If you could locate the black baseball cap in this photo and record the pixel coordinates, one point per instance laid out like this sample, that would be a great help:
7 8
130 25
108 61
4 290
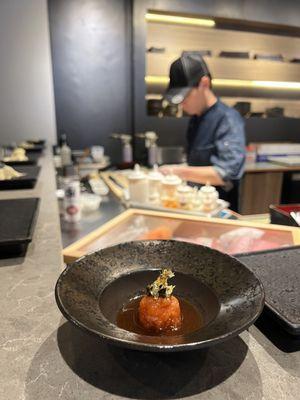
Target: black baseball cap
185 73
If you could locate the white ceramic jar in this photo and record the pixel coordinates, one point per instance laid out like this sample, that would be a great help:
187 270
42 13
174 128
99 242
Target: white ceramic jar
138 185
170 184
209 197
185 194
155 178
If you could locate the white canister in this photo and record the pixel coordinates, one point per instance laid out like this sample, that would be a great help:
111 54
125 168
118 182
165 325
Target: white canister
97 153
185 194
138 185
154 178
209 197
72 209
169 187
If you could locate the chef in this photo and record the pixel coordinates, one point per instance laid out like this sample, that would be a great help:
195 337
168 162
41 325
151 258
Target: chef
215 135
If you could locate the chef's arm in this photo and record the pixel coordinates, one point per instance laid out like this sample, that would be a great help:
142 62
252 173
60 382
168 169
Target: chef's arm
201 175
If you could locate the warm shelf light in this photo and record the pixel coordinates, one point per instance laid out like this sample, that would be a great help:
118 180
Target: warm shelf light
155 79
174 19
256 84
164 80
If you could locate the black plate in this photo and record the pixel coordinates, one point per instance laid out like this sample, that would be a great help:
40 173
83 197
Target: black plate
32 160
279 272
40 142
17 218
27 181
38 148
92 290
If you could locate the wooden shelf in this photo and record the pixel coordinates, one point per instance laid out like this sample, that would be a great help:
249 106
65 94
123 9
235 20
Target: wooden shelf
175 39
230 68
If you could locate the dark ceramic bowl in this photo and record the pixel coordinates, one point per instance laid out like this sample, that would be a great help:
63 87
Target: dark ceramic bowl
91 291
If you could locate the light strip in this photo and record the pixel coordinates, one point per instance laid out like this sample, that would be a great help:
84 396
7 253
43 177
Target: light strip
257 84
156 79
174 19
152 79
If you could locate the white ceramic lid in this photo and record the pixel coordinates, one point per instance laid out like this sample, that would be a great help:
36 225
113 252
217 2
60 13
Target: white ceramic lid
184 189
171 180
207 189
136 173
155 175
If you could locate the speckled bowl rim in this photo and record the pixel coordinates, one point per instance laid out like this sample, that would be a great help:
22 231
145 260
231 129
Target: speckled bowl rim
157 347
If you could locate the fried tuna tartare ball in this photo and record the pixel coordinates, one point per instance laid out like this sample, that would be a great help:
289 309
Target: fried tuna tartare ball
160 314
159 310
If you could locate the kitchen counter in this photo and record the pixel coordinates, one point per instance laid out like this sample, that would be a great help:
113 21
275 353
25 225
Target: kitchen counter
269 167
43 357
269 178
27 306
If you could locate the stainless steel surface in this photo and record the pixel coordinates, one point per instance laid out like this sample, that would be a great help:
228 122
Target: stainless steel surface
110 207
170 155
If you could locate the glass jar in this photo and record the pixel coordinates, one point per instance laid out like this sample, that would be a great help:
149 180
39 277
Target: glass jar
169 187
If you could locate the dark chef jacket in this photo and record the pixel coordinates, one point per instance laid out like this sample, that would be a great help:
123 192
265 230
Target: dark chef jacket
217 138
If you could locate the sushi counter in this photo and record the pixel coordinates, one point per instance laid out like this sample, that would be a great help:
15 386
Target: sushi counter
42 356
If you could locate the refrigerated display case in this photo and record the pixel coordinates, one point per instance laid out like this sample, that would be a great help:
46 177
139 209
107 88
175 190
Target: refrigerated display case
231 237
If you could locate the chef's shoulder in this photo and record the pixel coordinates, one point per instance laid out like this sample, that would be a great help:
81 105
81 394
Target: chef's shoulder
230 121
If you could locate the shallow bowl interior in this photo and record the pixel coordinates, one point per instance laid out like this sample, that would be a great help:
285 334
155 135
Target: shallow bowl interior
91 291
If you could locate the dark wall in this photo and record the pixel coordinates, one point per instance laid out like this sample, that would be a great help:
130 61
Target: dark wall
98 81
91 46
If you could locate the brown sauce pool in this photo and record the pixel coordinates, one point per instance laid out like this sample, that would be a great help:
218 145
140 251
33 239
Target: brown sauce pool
192 319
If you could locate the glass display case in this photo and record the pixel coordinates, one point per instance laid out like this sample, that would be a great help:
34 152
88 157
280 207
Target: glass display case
231 237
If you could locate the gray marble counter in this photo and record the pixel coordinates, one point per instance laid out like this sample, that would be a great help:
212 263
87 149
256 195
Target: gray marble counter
43 357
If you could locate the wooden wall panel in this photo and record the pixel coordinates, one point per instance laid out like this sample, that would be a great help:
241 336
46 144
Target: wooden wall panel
259 190
176 38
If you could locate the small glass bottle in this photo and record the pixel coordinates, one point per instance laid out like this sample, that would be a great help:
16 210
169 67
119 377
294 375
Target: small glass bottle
65 151
72 208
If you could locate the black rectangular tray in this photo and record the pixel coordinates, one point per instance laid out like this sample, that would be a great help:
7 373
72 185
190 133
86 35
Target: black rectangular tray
38 148
17 222
32 160
279 272
27 181
41 142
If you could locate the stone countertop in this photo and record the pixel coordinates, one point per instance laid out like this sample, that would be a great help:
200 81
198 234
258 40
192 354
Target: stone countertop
43 357
27 306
